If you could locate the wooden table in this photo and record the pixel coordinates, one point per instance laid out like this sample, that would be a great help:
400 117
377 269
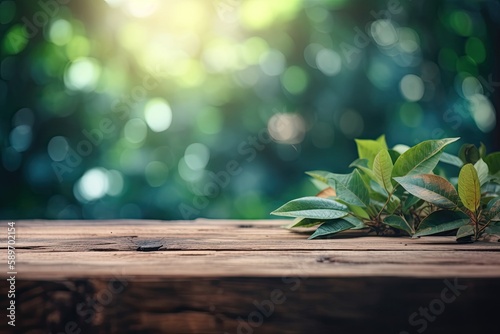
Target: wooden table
246 277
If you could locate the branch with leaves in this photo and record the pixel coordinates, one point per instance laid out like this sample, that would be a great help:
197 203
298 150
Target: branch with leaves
404 190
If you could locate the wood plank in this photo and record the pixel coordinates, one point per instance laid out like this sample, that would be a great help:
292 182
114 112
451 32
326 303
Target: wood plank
62 249
78 236
258 305
48 265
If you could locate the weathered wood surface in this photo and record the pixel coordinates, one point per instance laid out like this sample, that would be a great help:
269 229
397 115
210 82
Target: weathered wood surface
245 277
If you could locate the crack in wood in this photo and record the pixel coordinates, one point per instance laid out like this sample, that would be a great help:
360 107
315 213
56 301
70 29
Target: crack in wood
331 259
149 248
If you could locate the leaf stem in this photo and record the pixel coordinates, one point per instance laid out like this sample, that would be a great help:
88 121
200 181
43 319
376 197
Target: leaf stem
386 202
475 220
483 227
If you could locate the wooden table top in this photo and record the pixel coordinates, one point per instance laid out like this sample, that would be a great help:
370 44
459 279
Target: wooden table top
233 248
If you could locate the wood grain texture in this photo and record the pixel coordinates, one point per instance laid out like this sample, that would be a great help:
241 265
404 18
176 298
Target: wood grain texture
245 277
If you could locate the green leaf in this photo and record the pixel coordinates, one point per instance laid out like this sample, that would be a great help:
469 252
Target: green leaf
493 229
431 188
485 200
359 163
468 187
354 192
368 149
318 184
451 159
324 176
306 222
493 162
410 201
381 140
331 227
319 175
399 223
379 195
440 221
394 155
312 207
495 177
493 209
490 189
421 158
482 171
357 186
358 211
356 222
469 154
362 164
465 231
382 169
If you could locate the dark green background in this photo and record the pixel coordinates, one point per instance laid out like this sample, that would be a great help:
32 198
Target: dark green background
224 100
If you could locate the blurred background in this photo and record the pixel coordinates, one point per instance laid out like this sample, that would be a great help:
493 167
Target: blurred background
179 109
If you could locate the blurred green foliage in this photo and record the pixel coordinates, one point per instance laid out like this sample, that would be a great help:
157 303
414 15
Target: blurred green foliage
180 109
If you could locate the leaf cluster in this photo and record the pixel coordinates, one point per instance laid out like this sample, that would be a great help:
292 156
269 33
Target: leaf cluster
404 190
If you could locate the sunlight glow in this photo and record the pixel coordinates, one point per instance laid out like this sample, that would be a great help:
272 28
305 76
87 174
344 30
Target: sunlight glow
94 184
158 114
82 74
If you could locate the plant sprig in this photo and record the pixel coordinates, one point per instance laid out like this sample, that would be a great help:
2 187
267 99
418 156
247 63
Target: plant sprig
402 191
